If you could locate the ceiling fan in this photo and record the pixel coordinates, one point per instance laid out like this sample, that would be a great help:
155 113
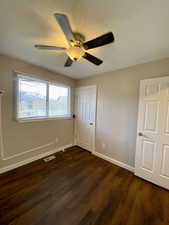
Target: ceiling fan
77 45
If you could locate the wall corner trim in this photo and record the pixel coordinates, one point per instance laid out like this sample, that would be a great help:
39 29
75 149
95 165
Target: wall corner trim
34 158
114 161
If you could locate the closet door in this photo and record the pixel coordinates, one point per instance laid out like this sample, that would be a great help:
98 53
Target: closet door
85 112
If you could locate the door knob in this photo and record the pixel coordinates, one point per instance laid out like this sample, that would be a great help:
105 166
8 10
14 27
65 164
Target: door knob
91 124
140 134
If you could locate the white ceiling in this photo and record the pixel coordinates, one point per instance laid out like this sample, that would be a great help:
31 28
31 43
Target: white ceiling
140 27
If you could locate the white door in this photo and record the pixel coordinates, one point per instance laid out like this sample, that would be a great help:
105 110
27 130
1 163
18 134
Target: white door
152 153
85 113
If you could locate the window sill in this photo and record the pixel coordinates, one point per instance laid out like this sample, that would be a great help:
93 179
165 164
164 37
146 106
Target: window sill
44 119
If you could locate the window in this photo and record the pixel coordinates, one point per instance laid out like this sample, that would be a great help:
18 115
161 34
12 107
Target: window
38 99
58 100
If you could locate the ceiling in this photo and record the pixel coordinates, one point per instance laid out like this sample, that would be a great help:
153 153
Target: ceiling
140 28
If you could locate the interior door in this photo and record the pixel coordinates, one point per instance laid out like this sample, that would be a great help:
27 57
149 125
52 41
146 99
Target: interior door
152 151
85 113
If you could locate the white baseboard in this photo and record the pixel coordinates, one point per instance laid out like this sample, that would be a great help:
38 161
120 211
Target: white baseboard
34 158
114 161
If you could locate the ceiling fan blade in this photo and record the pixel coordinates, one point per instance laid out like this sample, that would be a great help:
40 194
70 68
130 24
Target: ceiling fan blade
68 62
48 47
65 26
92 59
99 41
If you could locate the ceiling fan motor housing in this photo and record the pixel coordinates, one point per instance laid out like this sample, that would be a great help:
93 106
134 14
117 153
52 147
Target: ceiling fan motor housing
79 37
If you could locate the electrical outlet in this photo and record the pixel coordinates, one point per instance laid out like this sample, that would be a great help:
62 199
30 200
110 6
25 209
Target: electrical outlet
56 140
103 145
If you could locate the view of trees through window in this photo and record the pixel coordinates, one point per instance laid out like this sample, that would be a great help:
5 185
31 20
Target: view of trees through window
38 99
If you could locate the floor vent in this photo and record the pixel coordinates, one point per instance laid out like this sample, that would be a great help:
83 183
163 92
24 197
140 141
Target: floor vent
51 157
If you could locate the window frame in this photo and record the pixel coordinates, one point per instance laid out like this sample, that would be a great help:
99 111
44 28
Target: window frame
48 83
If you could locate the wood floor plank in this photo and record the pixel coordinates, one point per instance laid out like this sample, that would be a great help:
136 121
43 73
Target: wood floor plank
78 188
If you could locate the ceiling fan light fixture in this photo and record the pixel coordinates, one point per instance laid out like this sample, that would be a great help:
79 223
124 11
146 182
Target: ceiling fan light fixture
75 52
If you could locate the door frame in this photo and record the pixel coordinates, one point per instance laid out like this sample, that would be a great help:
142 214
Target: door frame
75 127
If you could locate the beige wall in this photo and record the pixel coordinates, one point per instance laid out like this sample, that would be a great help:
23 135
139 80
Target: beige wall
117 108
116 112
20 137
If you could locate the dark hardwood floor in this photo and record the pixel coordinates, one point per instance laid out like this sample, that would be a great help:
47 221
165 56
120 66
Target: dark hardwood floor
78 188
